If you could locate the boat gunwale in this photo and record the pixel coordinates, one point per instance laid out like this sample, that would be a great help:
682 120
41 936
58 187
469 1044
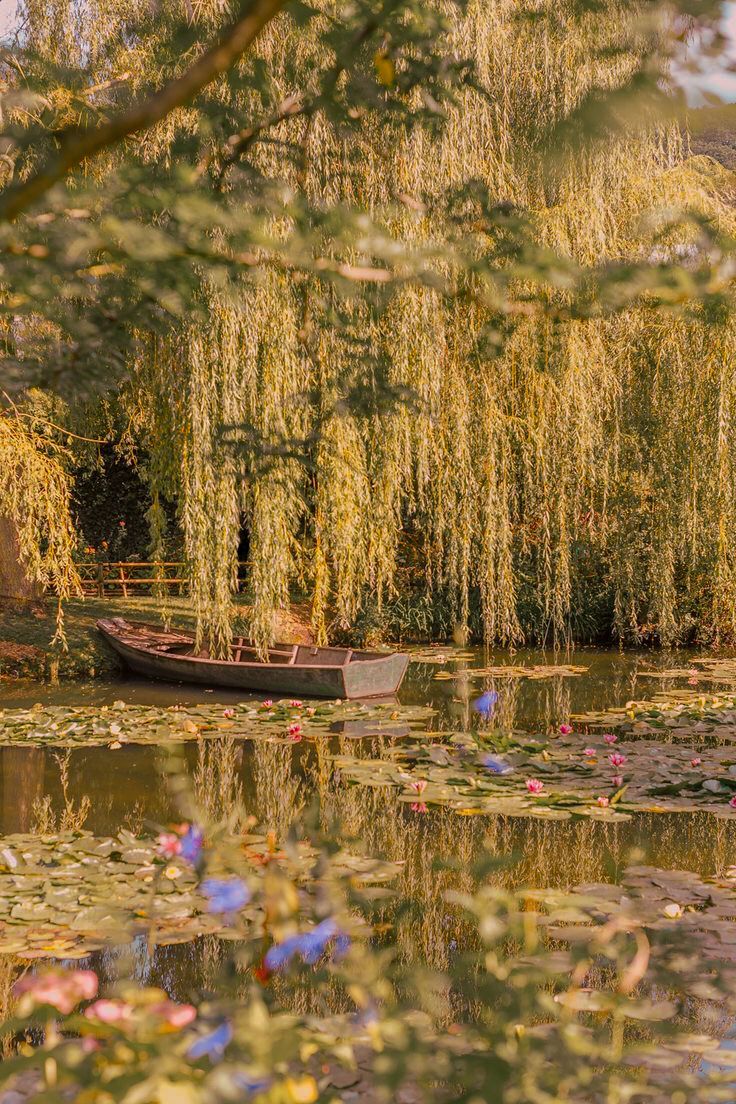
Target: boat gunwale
239 664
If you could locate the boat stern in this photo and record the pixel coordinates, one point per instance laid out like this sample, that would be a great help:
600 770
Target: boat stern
375 677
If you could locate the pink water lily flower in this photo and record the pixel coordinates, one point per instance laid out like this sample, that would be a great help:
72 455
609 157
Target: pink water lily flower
565 729
617 780
590 752
534 785
419 807
419 787
266 704
610 738
617 759
695 762
732 802
168 844
173 1014
295 731
228 713
109 1011
62 989
604 802
296 704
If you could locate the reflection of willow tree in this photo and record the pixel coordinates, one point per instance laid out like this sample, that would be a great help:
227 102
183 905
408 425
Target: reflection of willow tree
279 794
216 783
23 772
560 486
534 852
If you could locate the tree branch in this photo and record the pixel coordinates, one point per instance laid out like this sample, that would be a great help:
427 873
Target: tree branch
292 106
77 147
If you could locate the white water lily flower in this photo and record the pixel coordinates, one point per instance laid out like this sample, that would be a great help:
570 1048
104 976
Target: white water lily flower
673 911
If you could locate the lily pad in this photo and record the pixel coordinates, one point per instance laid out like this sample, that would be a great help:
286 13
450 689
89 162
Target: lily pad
73 893
558 777
120 724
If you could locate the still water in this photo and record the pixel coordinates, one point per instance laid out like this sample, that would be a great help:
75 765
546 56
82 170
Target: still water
125 787
277 782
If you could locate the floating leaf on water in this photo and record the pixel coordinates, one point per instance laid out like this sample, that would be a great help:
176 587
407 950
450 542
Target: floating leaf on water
84 726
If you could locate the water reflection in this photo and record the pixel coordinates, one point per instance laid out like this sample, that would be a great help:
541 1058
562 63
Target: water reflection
273 783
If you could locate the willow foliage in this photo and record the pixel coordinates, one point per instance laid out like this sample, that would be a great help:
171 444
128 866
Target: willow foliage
557 473
35 494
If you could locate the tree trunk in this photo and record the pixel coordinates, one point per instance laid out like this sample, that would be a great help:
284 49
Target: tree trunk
15 583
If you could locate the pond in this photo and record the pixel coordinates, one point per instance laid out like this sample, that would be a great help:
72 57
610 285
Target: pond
276 781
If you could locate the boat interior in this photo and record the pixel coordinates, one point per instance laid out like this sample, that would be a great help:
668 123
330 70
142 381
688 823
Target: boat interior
242 651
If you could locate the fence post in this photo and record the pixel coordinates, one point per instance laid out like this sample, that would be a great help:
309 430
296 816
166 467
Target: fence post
100 581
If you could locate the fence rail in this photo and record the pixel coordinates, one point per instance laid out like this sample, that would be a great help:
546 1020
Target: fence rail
134 576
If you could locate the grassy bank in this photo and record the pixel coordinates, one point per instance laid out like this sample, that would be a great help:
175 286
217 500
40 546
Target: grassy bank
26 649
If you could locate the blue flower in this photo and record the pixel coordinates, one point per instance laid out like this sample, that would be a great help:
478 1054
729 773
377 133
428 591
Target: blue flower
226 894
496 766
251 1086
310 946
486 703
212 1045
314 942
191 844
281 954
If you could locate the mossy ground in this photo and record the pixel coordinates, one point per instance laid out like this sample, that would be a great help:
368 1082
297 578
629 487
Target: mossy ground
26 634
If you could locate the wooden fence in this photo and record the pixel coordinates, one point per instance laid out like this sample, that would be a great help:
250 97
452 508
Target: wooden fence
135 577
141 577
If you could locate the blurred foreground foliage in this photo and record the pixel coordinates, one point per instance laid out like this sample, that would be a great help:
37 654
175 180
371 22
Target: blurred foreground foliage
601 994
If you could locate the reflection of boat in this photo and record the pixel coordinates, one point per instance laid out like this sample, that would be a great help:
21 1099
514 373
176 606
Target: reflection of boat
358 730
300 669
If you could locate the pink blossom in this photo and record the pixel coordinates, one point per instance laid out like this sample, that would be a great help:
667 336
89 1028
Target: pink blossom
604 802
419 787
228 713
617 759
310 710
590 752
109 1011
534 786
168 844
695 762
565 729
732 802
418 807
63 989
692 682
617 780
266 704
173 1014
296 704
610 738
295 731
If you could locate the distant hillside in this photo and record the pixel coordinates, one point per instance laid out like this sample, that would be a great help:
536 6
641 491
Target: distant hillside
713 132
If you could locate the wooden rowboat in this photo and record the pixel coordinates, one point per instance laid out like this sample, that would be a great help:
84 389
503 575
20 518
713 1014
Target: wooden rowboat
301 670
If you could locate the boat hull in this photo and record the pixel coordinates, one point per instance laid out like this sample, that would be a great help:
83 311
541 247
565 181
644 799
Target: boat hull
362 678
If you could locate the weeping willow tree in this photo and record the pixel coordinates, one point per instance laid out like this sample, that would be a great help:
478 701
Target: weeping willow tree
560 467
37 539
